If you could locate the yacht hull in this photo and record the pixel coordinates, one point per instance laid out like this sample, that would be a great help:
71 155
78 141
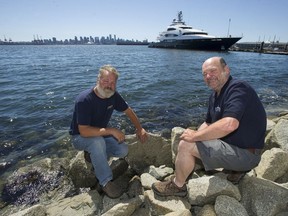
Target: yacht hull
211 44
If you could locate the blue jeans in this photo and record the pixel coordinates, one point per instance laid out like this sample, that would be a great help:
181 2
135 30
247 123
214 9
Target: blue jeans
101 149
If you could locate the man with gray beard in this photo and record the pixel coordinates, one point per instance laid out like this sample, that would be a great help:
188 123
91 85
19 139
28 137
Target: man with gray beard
90 131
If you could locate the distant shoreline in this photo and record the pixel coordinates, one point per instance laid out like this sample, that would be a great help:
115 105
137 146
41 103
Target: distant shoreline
71 44
278 48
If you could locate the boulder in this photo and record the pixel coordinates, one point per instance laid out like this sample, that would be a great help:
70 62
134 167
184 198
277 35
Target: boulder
228 206
162 205
273 165
205 190
278 136
36 210
156 151
83 204
263 197
81 172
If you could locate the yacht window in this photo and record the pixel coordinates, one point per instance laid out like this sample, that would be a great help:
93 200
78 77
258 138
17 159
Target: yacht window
171 35
171 29
194 33
186 27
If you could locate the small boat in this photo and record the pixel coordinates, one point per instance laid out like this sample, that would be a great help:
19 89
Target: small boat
181 36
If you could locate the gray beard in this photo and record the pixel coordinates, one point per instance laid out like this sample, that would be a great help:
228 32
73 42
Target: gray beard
105 93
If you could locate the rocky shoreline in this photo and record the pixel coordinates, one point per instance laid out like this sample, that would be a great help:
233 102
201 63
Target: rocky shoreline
67 185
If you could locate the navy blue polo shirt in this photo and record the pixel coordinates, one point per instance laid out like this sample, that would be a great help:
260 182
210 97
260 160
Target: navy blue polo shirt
95 111
239 100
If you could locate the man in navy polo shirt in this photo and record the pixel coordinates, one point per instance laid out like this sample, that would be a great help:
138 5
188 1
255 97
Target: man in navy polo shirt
90 131
231 137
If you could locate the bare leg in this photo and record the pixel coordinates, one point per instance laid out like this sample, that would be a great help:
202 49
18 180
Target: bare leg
185 161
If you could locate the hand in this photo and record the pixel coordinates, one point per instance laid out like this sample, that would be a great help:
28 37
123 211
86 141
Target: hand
188 135
118 134
142 135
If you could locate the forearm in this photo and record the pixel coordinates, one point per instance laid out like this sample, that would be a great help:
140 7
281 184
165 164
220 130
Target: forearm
89 131
219 129
203 126
140 132
133 118
209 133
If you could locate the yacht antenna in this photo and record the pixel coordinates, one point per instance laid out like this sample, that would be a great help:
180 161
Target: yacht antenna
228 27
180 16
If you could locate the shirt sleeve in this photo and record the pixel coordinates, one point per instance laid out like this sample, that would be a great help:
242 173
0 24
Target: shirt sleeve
120 105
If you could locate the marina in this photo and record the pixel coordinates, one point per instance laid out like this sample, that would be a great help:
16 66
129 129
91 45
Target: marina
275 48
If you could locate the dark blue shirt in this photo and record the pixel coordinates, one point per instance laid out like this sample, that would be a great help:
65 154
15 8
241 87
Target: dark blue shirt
94 111
239 100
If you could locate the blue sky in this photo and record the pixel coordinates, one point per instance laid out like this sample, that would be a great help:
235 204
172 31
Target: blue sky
255 20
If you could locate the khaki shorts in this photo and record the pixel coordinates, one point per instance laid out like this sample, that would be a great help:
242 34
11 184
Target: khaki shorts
219 154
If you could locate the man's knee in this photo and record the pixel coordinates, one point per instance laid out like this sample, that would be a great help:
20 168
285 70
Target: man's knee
122 151
187 147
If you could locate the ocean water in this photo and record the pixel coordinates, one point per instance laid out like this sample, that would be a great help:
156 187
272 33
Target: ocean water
164 87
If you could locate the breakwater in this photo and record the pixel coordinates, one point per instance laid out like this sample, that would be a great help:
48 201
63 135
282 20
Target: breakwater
262 47
66 185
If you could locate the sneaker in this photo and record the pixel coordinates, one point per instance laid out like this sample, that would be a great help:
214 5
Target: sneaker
112 190
87 156
169 188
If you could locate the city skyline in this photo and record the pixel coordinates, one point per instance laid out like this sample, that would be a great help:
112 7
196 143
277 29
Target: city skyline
104 40
256 20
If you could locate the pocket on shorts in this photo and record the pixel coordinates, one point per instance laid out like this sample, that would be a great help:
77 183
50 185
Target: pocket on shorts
225 149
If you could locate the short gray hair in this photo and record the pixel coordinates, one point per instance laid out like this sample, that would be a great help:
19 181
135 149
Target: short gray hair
110 69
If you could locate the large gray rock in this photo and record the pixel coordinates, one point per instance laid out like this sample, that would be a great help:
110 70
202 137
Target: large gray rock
207 210
147 180
228 206
161 172
81 172
126 208
156 151
273 164
205 190
36 210
162 205
270 125
278 136
185 212
83 204
263 197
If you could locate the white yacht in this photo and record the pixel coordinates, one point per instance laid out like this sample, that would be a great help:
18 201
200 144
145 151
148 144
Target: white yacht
181 36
